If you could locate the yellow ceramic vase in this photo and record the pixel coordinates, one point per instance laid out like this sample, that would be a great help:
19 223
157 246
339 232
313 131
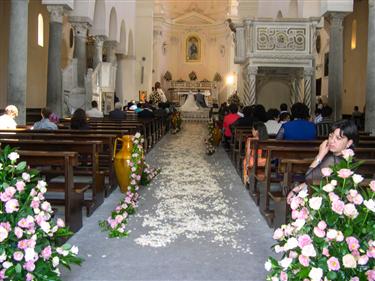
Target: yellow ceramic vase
121 162
217 136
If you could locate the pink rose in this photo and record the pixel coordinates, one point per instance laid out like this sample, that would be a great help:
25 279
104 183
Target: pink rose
11 206
358 200
372 185
344 173
352 242
354 279
46 253
347 153
333 264
333 196
350 211
370 275
322 225
363 260
283 276
29 266
326 172
328 187
20 185
325 252
18 232
315 203
305 261
338 206
18 256
304 240
60 223
319 233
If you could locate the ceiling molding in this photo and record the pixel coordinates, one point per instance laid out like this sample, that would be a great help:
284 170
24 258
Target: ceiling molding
193 18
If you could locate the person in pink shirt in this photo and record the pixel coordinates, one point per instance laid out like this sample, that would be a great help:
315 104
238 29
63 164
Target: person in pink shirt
229 119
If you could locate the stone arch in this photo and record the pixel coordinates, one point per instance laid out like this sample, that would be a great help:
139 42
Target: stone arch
131 44
113 25
99 18
122 46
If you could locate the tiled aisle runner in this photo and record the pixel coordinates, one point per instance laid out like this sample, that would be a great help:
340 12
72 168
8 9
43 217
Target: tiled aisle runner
194 222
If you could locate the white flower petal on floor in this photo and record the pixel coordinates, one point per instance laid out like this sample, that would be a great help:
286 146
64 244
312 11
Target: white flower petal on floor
192 203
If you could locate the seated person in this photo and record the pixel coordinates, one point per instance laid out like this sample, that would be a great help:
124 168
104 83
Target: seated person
229 119
273 126
324 126
344 135
117 113
94 112
199 98
247 120
145 111
259 132
45 123
7 119
300 128
79 120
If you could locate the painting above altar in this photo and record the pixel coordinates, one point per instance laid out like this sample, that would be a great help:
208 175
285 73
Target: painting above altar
193 49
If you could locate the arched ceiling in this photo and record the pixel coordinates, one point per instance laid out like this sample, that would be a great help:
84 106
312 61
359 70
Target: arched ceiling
217 10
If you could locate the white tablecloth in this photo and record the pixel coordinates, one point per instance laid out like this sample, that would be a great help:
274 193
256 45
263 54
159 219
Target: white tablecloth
190 103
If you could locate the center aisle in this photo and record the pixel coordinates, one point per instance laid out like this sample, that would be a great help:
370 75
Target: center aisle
195 221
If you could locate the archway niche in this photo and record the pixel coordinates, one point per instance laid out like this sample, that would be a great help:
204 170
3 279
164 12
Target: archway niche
113 25
99 18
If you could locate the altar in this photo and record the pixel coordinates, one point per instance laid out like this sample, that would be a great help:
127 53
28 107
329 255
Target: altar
190 111
191 103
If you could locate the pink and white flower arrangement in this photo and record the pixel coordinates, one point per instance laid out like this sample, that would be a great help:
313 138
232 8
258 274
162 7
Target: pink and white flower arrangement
29 237
336 240
141 174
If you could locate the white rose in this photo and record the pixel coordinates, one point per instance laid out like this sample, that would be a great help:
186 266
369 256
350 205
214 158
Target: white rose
357 178
30 254
7 264
370 204
303 193
331 234
268 265
291 243
349 261
316 274
299 223
350 211
45 226
315 203
74 250
137 135
13 156
309 251
55 261
329 187
285 262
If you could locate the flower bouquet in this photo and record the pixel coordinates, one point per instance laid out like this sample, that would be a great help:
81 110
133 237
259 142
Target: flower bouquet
176 122
332 233
28 235
210 141
141 173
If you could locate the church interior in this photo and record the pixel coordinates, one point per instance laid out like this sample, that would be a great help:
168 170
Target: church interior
242 109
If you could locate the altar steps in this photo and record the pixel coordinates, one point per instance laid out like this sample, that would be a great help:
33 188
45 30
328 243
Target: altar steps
203 115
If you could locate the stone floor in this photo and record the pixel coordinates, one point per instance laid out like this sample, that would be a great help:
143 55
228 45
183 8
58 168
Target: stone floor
194 222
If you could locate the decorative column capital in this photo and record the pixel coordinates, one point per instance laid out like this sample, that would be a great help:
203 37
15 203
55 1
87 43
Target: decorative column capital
99 40
56 13
308 71
336 18
252 70
80 26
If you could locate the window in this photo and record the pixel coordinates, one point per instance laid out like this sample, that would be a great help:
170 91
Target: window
40 31
354 35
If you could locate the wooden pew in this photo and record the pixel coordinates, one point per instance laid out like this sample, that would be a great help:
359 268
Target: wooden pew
105 158
293 168
66 161
87 151
262 196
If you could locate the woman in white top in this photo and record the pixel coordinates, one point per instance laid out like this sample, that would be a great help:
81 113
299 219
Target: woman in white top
7 119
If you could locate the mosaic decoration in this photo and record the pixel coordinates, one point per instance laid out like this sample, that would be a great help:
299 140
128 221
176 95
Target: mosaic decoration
281 39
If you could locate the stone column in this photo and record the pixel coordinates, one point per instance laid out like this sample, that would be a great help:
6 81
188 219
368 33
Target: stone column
250 85
80 25
336 61
308 74
370 88
98 56
111 51
54 76
17 54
